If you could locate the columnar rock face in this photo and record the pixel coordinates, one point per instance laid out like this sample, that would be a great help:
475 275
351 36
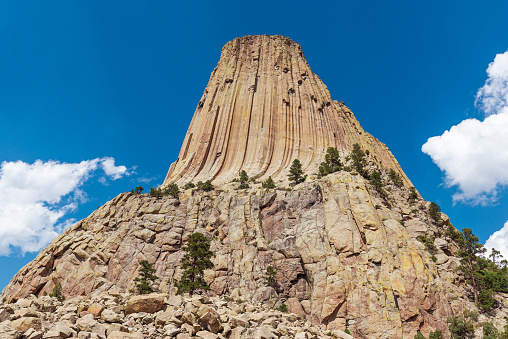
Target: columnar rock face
262 108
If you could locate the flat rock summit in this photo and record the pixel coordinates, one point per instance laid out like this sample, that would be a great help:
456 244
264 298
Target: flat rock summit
347 258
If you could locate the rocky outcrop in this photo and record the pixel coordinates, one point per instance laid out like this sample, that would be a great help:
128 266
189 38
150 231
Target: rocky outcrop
263 107
345 258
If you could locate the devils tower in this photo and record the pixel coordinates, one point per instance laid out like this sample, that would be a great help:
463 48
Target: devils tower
263 107
347 256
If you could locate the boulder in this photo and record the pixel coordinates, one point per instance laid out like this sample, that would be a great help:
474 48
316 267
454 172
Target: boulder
149 303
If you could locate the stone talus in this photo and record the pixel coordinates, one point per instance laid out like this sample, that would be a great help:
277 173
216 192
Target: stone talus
263 107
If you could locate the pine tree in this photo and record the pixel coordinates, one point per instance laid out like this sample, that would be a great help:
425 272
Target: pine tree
138 190
172 190
244 180
359 161
147 276
268 183
195 261
269 277
435 212
205 186
395 178
332 162
296 173
471 263
155 192
377 183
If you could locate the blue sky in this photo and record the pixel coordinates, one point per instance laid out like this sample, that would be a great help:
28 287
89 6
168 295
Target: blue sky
102 94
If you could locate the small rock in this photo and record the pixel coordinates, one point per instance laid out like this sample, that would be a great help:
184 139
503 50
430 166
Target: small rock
123 335
206 335
110 317
95 309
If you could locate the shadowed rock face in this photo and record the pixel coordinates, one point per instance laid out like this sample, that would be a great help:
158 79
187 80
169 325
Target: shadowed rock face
262 108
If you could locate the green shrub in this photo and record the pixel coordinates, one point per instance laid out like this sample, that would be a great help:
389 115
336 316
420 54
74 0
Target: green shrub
155 192
172 190
413 195
194 262
463 326
395 178
490 331
147 276
205 186
189 185
347 331
283 308
268 183
428 242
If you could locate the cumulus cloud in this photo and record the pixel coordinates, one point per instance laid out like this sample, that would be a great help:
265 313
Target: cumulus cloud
474 153
499 241
35 198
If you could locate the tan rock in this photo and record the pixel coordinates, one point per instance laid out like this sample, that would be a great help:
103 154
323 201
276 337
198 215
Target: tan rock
209 319
123 335
95 309
23 324
149 303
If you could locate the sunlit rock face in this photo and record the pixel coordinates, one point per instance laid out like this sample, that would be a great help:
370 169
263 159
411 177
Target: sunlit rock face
262 108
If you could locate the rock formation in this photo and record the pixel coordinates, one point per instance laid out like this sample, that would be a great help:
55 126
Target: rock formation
263 107
346 256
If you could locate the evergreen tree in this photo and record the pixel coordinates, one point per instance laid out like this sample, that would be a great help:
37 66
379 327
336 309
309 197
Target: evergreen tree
462 327
435 212
268 183
413 195
244 180
359 161
490 331
195 261
205 186
471 263
377 183
419 335
57 292
395 178
172 190
269 277
155 192
296 173
147 277
332 162
138 190
189 185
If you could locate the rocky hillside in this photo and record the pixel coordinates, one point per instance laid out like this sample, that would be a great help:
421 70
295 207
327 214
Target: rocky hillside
344 258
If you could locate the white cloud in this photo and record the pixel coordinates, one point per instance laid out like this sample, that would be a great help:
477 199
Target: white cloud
115 172
499 241
35 197
474 154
